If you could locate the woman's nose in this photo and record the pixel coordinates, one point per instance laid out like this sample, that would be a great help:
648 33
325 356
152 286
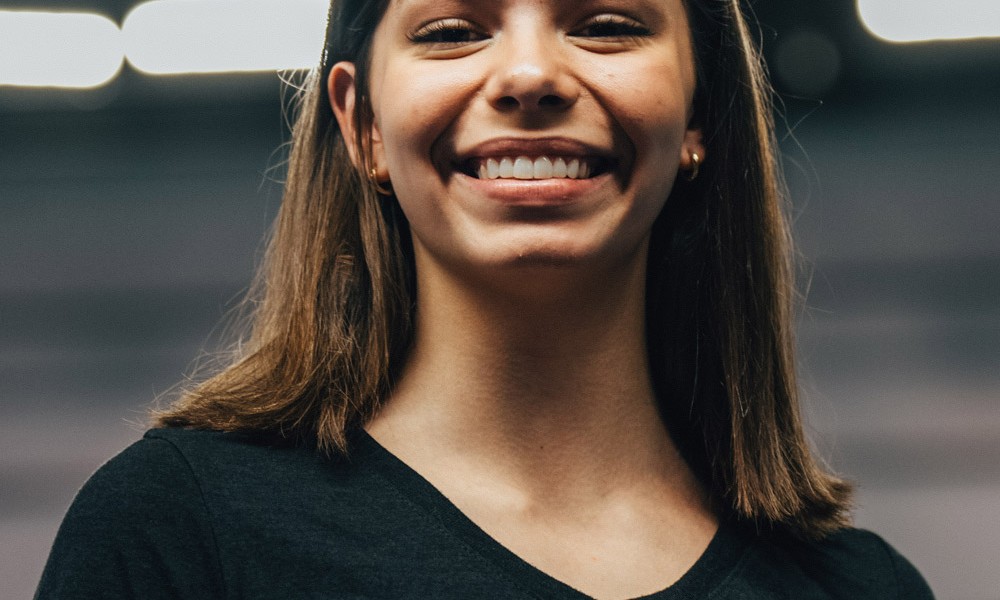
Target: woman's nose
531 74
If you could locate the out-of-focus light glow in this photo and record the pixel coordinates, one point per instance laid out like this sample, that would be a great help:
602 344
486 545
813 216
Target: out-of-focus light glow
211 36
925 20
58 49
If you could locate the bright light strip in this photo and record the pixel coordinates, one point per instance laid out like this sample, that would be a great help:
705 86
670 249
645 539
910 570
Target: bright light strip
53 49
925 20
212 36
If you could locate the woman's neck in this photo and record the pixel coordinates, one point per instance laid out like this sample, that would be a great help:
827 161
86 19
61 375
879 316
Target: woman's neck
533 412
547 386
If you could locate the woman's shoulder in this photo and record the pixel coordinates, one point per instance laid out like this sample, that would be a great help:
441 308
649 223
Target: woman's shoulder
233 452
850 563
216 467
175 510
181 459
155 469
184 472
864 556
128 525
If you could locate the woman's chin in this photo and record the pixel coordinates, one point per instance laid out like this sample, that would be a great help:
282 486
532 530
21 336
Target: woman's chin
522 259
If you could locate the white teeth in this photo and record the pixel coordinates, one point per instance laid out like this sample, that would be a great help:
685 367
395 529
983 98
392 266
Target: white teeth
559 168
506 168
542 167
573 169
524 168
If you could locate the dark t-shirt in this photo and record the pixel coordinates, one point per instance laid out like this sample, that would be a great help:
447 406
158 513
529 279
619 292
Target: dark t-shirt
189 514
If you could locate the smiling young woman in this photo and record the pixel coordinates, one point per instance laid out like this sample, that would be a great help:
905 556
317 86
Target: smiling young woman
524 331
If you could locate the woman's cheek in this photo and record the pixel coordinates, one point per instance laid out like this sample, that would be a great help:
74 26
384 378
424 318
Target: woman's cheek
425 99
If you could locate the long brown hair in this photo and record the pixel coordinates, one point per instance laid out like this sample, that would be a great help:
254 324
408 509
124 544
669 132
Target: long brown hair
333 302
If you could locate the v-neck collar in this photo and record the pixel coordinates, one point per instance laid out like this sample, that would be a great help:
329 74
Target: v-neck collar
719 559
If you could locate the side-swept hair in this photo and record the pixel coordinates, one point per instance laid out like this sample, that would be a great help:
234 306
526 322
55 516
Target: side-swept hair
333 301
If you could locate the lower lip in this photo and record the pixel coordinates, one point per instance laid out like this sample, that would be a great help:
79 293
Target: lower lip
534 192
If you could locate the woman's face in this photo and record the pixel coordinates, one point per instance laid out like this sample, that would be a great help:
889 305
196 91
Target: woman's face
526 132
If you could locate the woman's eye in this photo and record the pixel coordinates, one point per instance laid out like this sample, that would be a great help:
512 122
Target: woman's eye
447 31
612 26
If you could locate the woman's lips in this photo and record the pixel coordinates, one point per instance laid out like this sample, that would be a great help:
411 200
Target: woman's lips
537 192
534 173
533 159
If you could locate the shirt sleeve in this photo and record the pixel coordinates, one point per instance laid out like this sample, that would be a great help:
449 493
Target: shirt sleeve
139 528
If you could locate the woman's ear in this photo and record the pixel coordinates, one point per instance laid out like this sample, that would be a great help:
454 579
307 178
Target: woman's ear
342 91
692 146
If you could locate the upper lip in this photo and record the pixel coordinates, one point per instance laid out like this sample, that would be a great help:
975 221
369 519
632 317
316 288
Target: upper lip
532 147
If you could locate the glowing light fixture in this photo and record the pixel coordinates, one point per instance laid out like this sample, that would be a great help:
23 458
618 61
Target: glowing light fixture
58 49
211 36
925 20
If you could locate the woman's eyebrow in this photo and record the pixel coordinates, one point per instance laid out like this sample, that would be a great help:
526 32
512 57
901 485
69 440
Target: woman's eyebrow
652 10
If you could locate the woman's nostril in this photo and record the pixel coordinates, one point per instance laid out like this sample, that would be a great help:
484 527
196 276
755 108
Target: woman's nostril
545 101
508 102
550 100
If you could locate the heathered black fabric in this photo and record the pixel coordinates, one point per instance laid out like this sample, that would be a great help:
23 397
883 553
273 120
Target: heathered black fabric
188 514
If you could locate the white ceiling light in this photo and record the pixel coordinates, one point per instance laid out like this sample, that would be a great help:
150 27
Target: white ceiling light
924 20
53 49
212 36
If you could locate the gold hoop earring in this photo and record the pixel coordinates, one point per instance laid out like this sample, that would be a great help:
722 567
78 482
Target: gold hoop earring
373 179
695 166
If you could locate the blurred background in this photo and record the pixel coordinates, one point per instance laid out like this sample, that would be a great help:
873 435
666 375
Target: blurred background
132 215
